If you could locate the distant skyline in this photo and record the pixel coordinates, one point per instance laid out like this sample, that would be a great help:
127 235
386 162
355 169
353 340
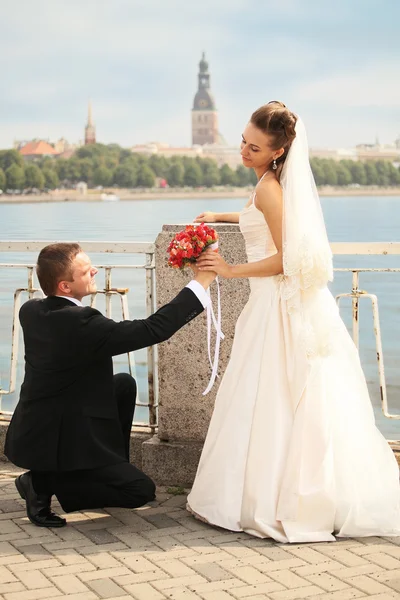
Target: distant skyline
336 64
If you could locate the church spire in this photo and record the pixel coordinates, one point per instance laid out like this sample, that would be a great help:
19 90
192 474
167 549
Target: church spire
89 121
204 112
90 129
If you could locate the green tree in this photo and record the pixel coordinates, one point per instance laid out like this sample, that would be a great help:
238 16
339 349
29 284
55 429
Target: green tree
46 163
371 173
62 168
394 175
51 180
92 151
34 177
205 163
330 173
159 165
343 174
193 175
176 174
211 175
86 170
15 177
242 176
358 173
383 170
10 157
74 170
227 175
102 176
68 171
125 154
318 171
126 175
2 180
253 179
146 177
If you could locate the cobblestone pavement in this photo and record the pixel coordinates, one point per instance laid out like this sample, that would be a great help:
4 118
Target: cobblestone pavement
160 552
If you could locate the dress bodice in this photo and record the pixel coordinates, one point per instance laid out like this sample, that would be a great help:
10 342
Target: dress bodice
257 236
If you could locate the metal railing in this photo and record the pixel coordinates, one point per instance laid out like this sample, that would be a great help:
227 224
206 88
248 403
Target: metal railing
356 294
147 249
110 292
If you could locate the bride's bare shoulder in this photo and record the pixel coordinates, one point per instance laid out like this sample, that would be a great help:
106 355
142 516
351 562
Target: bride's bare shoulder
268 190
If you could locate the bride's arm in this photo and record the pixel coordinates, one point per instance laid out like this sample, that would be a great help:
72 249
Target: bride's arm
269 201
211 217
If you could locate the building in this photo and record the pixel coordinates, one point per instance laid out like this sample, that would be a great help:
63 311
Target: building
334 153
65 148
162 149
362 152
90 129
204 112
223 154
37 149
42 148
378 151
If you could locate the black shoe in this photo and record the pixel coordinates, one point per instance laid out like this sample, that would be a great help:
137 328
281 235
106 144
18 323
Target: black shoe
37 505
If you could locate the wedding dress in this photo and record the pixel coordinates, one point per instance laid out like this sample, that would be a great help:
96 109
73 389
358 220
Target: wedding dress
292 451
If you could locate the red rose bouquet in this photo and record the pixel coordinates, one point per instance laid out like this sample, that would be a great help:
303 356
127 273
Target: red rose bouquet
188 244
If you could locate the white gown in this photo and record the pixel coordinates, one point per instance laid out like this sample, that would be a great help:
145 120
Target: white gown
295 468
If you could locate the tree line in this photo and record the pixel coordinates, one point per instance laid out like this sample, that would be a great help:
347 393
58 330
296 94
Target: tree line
111 165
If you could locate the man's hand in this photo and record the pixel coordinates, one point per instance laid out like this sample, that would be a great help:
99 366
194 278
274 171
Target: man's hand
205 279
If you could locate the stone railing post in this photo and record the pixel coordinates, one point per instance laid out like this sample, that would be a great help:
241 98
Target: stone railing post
172 456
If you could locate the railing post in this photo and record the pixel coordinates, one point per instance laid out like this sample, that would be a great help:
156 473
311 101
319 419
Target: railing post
150 350
107 288
355 309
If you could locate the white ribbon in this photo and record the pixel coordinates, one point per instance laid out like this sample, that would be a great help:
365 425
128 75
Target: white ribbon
216 321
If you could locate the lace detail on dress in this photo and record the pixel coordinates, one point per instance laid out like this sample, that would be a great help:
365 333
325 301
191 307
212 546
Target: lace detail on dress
304 274
303 271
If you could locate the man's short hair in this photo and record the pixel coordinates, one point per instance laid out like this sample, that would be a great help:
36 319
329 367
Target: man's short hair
54 264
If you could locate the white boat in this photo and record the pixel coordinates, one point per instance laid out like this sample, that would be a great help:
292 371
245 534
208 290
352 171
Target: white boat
109 197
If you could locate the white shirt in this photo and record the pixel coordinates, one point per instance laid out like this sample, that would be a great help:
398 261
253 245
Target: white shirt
74 300
193 285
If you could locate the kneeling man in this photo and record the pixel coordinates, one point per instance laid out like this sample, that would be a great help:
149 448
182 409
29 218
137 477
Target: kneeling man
72 424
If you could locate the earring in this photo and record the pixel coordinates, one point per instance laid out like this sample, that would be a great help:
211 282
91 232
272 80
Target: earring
274 165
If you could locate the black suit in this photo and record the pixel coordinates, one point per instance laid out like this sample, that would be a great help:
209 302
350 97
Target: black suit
70 416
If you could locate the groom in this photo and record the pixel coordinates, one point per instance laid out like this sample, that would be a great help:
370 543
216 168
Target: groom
71 427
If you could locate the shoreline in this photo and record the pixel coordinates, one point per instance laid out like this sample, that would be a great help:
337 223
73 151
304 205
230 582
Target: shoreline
177 194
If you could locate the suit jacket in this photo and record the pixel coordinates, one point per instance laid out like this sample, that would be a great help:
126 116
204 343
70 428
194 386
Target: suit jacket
66 418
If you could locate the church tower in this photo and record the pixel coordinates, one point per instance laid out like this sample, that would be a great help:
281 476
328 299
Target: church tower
204 113
90 129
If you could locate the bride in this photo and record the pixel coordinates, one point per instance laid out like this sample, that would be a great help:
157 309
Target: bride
292 451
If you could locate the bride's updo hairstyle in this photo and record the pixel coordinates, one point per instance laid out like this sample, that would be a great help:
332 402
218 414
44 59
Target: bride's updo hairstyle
279 123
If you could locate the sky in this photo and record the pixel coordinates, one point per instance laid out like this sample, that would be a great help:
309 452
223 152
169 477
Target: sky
337 64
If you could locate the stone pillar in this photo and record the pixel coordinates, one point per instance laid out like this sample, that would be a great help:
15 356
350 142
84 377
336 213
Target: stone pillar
171 457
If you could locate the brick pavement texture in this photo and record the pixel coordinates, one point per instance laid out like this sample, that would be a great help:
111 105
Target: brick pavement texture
160 552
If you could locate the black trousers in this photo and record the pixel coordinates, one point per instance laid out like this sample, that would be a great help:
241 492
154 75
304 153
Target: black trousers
122 485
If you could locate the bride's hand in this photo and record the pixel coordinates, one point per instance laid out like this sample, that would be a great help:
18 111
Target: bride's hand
206 217
212 261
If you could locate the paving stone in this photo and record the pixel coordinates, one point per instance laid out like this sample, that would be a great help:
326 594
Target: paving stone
159 552
101 536
106 588
35 552
69 584
144 591
161 521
